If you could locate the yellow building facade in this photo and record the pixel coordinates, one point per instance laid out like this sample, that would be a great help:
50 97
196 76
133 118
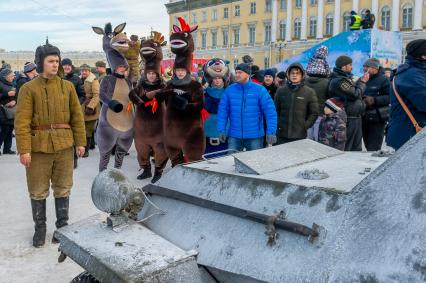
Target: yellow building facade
271 30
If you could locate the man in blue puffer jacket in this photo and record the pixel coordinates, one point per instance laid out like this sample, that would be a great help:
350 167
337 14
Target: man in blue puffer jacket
410 83
245 104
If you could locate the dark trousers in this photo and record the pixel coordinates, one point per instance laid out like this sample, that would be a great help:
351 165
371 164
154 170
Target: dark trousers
6 137
354 134
373 134
286 140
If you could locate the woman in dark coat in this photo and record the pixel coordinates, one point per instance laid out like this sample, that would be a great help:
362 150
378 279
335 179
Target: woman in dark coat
7 107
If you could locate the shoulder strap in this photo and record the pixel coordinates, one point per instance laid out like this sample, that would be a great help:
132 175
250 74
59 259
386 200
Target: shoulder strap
404 106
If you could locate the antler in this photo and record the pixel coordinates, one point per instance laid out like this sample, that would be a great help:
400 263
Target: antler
158 37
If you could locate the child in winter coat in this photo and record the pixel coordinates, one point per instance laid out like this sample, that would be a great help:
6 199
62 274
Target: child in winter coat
332 129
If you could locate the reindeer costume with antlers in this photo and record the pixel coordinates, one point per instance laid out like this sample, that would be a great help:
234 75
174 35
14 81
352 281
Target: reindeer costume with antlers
149 113
184 98
116 118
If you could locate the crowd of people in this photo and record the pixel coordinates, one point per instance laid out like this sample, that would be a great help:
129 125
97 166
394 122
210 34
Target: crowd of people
59 116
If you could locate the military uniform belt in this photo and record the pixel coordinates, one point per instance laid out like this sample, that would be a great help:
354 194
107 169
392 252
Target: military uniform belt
51 127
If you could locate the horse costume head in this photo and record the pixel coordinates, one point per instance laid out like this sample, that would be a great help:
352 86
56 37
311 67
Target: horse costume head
152 53
182 44
114 44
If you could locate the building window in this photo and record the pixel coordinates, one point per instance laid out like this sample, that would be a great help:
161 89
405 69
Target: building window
237 10
297 28
385 17
225 38
252 35
329 21
214 15
194 18
176 21
298 3
266 62
214 38
283 4
204 16
314 2
330 1
407 16
268 33
236 36
312 26
252 8
194 38
225 13
282 29
235 63
268 5
346 21
203 39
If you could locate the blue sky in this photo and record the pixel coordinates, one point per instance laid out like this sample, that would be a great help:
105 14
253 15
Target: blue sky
24 24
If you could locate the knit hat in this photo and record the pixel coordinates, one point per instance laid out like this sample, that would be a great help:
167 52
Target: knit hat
318 65
281 75
416 48
42 52
29 66
66 61
100 64
85 67
343 61
269 72
245 67
334 104
5 72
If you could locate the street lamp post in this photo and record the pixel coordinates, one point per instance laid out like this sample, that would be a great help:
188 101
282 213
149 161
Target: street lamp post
280 44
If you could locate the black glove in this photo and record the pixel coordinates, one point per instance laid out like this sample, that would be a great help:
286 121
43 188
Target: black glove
115 106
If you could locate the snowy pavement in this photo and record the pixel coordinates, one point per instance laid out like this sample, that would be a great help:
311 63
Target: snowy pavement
19 261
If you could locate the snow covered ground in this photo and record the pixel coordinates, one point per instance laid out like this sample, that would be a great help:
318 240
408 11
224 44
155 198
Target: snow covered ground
19 261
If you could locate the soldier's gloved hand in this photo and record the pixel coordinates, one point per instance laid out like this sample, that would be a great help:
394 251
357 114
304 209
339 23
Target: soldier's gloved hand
271 139
115 106
222 137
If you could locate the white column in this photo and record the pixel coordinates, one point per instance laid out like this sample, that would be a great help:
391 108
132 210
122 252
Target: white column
320 19
355 5
418 12
304 20
289 21
336 17
395 15
274 20
375 11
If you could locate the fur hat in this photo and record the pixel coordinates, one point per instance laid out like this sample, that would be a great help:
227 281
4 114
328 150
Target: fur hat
343 61
318 65
85 67
182 44
29 66
416 48
42 52
334 104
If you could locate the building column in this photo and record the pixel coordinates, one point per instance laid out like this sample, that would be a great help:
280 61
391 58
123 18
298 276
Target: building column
355 6
304 19
320 19
395 15
418 13
274 20
375 11
336 17
289 21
